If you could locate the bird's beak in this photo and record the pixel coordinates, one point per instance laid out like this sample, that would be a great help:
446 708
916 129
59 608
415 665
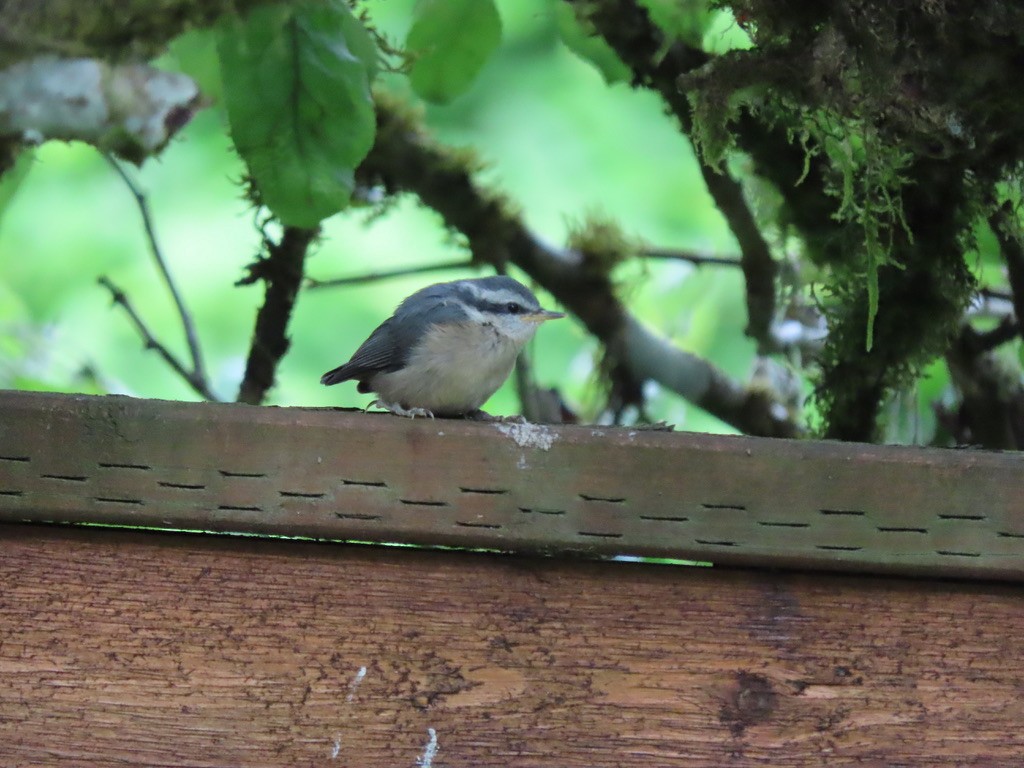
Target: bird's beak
542 315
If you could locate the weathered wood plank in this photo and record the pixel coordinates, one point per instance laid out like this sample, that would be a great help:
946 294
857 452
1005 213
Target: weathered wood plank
130 648
344 475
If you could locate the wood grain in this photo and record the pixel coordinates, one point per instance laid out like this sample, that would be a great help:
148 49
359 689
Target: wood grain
168 650
334 474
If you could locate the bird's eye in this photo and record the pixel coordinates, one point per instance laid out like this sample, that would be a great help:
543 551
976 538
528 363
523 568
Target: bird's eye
513 308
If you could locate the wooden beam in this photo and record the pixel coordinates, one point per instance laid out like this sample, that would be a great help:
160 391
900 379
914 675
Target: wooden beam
347 475
124 648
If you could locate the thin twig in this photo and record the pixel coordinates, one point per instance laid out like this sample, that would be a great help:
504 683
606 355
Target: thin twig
191 338
995 293
312 283
197 382
697 259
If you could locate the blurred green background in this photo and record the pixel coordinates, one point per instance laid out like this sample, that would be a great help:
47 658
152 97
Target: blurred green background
556 138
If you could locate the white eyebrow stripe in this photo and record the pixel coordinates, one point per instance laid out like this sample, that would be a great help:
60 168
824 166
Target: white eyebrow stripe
504 296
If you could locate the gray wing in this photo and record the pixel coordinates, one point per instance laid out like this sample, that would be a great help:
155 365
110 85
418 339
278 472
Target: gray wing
390 345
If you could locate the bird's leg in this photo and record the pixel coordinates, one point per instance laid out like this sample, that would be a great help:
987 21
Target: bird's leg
398 410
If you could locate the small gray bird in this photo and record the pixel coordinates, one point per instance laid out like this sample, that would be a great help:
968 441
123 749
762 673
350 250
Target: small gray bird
447 348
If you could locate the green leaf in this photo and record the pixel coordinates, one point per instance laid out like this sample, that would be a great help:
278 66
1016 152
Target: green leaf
296 85
11 180
194 53
450 41
584 41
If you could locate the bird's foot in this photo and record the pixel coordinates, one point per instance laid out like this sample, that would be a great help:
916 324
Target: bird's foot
479 415
398 410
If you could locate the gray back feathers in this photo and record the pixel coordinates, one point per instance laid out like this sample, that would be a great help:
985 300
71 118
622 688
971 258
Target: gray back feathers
390 345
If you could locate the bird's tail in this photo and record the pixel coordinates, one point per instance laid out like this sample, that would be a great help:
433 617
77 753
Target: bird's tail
336 375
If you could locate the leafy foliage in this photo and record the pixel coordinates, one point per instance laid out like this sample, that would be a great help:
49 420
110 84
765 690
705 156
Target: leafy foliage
875 205
297 92
449 42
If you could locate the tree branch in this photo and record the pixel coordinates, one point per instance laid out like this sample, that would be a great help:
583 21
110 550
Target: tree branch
282 272
198 383
628 29
110 29
404 159
191 337
991 412
131 109
1006 227
196 377
697 259
312 283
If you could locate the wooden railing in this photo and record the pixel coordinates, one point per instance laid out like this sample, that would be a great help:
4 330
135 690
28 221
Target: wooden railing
138 647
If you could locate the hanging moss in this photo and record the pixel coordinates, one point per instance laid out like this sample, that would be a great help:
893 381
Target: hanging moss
910 110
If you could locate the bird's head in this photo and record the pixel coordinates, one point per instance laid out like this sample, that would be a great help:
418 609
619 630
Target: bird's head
503 303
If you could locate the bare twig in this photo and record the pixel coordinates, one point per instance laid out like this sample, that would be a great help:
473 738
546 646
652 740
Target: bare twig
995 293
281 270
697 259
404 159
192 339
312 283
197 382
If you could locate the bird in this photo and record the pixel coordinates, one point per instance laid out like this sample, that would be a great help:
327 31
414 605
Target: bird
447 347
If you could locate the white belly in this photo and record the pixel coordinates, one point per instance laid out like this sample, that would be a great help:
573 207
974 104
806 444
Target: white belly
452 371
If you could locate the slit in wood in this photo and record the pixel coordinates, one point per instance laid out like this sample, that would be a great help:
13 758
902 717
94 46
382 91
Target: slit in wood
423 503
181 486
488 526
20 459
301 495
961 517
528 510
355 516
1008 535
902 530
599 535
664 518
846 512
68 478
229 473
780 524
117 465
12 493
606 499
485 491
732 507
708 542
365 483
838 548
234 508
111 500
949 553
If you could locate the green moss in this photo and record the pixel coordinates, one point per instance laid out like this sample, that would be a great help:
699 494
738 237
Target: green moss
910 112
601 242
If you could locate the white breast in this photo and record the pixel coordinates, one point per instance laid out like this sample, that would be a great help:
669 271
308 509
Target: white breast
452 371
